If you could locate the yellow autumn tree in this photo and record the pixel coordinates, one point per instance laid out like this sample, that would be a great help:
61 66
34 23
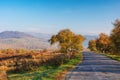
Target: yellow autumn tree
92 45
115 36
103 43
68 40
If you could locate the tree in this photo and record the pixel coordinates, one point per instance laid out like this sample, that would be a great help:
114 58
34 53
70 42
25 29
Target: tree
103 43
115 36
68 40
77 41
92 45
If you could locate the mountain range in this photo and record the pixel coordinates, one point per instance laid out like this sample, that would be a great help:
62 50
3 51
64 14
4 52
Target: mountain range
24 40
15 39
14 34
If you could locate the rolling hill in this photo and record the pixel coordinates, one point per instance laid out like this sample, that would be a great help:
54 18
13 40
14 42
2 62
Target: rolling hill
14 34
15 39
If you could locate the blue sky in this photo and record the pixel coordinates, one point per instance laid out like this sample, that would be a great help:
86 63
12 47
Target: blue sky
50 16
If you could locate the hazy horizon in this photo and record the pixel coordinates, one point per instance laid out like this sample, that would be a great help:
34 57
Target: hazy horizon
49 16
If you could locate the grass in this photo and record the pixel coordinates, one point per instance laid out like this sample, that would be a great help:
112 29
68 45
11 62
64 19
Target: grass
46 72
113 56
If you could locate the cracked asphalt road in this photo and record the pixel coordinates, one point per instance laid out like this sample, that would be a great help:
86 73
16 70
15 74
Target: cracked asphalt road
95 67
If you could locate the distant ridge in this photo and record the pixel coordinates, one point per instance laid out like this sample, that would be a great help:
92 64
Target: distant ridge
25 40
14 34
88 37
21 40
41 35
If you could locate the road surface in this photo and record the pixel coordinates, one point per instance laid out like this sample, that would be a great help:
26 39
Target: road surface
95 67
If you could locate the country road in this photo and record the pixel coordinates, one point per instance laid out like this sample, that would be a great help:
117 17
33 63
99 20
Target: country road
95 67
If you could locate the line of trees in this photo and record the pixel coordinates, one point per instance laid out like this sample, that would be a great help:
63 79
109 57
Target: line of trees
107 43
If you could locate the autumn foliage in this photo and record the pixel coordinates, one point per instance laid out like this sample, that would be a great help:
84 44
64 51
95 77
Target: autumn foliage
30 60
69 43
103 43
92 45
115 36
68 40
108 44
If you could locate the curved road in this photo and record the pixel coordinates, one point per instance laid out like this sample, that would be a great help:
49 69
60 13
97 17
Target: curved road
95 67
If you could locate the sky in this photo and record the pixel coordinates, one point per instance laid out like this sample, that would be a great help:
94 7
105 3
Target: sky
50 16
